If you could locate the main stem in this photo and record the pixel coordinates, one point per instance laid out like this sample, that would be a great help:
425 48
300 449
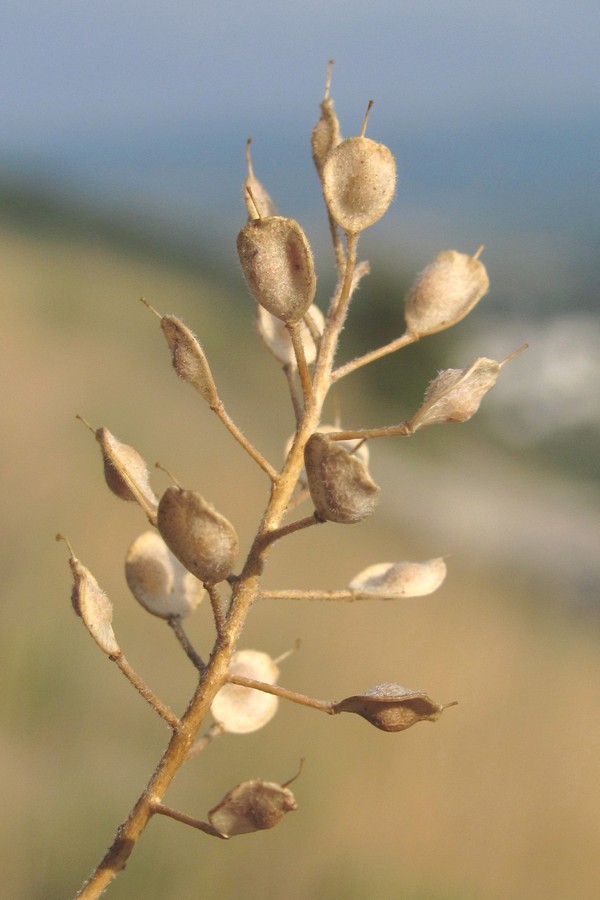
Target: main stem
243 595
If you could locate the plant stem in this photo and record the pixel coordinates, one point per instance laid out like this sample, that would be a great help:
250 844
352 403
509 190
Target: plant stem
148 695
278 691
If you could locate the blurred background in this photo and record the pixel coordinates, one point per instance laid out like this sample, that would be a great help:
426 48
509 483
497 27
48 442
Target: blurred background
121 164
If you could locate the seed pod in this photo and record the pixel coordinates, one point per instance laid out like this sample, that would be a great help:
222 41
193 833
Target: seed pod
357 448
326 133
278 266
445 292
391 707
391 581
239 709
340 486
203 540
188 357
251 806
257 200
93 606
157 579
125 471
456 394
359 180
277 339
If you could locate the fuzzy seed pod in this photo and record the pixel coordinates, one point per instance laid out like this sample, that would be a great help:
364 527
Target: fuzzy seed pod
391 581
239 709
456 394
359 449
157 579
203 540
278 266
93 606
251 806
258 202
326 133
391 707
445 292
125 471
188 357
277 338
340 486
359 180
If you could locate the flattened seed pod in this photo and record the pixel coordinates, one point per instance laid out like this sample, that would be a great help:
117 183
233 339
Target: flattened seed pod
359 180
278 266
340 486
400 579
188 358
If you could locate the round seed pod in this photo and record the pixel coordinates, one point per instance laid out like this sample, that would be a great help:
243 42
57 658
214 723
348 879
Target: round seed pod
391 707
340 486
251 806
188 358
455 395
277 338
203 540
391 581
362 453
239 709
445 292
278 266
359 180
157 579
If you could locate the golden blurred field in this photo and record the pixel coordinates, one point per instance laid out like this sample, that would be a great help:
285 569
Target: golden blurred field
499 799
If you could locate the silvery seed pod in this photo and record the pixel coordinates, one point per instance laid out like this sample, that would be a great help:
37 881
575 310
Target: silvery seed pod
391 581
93 606
391 707
251 806
340 486
123 466
359 180
188 358
445 292
257 200
278 266
203 540
157 579
456 394
239 709
277 338
326 133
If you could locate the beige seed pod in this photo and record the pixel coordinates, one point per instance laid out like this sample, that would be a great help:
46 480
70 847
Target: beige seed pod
445 292
277 338
203 540
92 605
125 471
357 448
359 180
326 134
157 579
257 200
188 358
278 266
456 394
340 486
239 709
391 707
391 581
251 806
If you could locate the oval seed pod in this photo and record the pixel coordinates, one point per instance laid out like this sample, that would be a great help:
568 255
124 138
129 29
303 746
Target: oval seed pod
357 448
125 471
278 266
359 180
203 540
340 486
239 709
257 200
391 707
188 358
277 338
445 292
326 134
157 579
252 806
456 394
93 606
390 581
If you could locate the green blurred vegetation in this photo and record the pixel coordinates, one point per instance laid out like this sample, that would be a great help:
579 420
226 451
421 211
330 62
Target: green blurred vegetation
500 799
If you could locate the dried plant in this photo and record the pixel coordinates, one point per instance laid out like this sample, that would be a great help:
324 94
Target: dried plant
191 550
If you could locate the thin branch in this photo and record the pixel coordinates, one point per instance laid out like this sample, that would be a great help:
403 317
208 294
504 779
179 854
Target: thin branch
404 341
148 695
290 372
271 536
322 705
293 594
403 430
217 608
162 810
177 626
213 732
241 438
295 332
